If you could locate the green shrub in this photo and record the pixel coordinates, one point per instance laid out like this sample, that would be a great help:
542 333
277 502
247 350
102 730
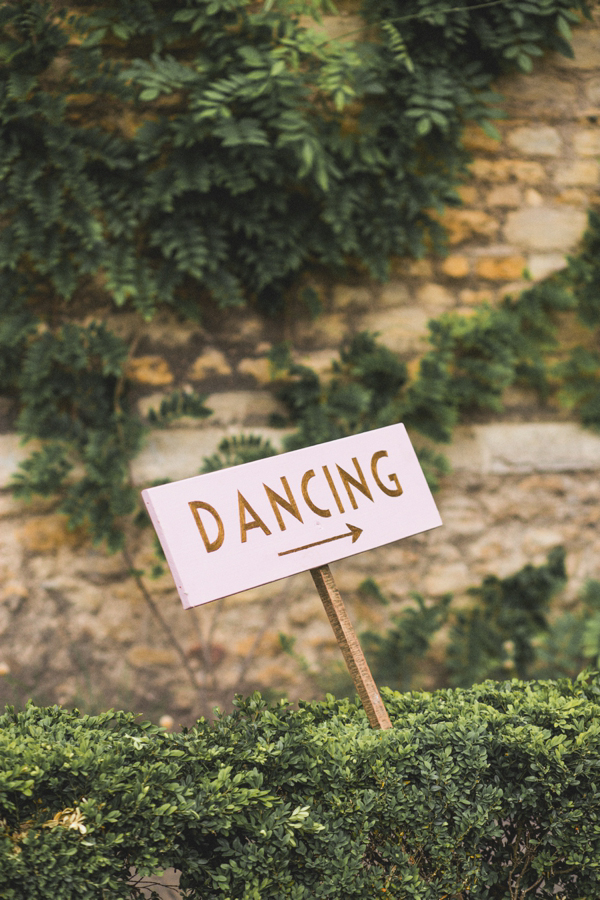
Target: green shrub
489 793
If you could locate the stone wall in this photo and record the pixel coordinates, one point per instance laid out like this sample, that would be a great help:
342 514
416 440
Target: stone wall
76 628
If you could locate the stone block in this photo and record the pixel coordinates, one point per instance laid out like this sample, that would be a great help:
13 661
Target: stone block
499 170
500 268
46 535
583 171
394 293
179 452
327 331
533 197
151 370
538 140
586 47
446 579
435 298
211 362
320 361
241 407
477 141
545 228
468 194
456 266
143 657
474 298
541 95
504 448
259 368
592 91
347 295
587 142
507 195
466 224
399 329
540 265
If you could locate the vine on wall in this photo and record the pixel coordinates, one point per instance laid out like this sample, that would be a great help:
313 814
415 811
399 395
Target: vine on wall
202 154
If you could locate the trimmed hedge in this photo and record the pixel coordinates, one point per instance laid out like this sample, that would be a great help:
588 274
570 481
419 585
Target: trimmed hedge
491 792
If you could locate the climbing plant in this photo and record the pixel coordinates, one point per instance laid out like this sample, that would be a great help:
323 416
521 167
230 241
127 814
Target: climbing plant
198 154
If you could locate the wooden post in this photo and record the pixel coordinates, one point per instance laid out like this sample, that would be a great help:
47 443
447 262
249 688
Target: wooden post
350 647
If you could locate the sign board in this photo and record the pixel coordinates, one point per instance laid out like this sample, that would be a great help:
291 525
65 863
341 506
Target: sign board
238 528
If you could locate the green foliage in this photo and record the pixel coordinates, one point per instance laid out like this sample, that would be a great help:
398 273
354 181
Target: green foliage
472 360
510 613
509 627
490 792
207 154
176 405
71 386
237 450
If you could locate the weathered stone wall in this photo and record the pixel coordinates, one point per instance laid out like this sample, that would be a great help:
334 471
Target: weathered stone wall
75 627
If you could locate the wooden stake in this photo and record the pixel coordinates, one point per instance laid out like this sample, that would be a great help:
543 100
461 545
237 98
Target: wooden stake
350 647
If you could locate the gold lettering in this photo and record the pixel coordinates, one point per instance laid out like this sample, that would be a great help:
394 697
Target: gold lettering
316 509
393 478
359 485
290 504
336 496
211 546
255 521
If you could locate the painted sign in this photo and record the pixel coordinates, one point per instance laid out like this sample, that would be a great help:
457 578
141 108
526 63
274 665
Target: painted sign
238 528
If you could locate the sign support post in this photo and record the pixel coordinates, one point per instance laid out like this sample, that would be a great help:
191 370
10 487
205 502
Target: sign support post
350 647
252 524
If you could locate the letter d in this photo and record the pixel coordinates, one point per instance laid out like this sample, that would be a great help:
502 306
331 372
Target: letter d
210 545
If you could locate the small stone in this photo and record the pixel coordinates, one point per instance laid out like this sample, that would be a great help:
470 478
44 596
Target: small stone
533 197
399 329
504 169
152 370
540 265
456 266
535 140
587 142
143 657
211 362
584 171
447 579
473 298
500 268
435 298
476 140
241 407
46 535
463 224
468 194
537 97
259 369
507 195
393 293
586 47
346 295
545 228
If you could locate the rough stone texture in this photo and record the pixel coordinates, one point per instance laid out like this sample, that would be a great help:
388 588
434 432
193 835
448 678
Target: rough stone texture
211 362
150 370
545 228
75 627
500 267
535 141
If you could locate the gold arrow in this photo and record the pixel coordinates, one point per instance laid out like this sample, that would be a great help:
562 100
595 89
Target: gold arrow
354 532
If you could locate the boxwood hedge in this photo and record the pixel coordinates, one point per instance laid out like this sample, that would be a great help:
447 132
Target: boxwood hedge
491 792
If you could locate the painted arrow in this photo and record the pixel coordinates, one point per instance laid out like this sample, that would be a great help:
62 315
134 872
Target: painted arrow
354 532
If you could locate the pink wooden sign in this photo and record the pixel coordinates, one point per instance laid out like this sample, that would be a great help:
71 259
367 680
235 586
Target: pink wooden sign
235 529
